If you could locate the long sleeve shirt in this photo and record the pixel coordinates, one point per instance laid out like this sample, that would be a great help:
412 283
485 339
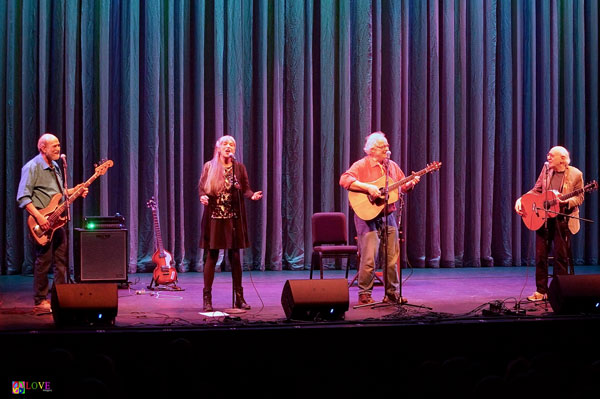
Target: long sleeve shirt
39 183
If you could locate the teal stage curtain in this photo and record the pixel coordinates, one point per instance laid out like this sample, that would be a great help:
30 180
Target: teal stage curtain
486 87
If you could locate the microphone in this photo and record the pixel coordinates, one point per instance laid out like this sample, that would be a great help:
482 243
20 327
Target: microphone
388 154
236 184
547 164
64 159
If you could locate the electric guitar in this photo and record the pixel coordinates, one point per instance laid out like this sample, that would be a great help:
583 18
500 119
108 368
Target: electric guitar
54 211
537 207
367 207
165 271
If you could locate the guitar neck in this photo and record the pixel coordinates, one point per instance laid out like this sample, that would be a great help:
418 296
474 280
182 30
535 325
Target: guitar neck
406 179
572 193
62 207
159 242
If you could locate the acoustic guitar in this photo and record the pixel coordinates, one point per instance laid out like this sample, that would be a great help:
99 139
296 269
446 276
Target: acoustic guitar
165 271
537 207
368 207
54 211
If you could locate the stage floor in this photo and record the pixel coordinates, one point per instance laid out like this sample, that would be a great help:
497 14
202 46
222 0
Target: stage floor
163 346
443 295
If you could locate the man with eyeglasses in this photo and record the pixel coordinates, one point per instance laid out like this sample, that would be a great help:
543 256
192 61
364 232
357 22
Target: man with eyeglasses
559 176
360 177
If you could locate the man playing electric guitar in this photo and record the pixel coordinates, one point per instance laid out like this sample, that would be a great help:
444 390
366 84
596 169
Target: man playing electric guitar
556 175
41 179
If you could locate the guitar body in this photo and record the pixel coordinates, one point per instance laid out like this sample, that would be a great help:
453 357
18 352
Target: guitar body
55 210
534 216
164 272
367 207
43 237
535 213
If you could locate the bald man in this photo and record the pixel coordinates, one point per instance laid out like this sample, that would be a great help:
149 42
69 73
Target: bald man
42 179
557 175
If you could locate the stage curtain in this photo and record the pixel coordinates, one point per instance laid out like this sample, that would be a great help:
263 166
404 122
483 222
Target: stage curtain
486 87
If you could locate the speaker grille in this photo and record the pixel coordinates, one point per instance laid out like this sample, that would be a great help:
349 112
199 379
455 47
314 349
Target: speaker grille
101 255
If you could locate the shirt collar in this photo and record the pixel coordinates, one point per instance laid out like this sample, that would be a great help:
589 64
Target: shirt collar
39 160
373 163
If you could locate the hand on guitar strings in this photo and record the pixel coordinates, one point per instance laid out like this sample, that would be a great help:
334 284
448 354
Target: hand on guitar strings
84 192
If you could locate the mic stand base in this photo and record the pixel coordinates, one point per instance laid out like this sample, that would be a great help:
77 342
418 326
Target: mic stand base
234 311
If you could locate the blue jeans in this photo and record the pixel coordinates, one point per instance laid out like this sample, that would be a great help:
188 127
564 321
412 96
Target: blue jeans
368 246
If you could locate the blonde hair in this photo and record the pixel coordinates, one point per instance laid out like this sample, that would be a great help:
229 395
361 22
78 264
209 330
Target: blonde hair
215 179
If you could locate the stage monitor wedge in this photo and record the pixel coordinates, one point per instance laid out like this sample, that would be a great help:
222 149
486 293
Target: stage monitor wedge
90 304
575 294
315 299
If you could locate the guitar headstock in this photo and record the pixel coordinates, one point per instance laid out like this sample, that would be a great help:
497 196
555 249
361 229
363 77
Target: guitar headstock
433 166
591 186
151 203
103 166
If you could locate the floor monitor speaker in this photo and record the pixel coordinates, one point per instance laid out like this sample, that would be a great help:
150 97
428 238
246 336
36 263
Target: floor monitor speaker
315 299
574 294
85 304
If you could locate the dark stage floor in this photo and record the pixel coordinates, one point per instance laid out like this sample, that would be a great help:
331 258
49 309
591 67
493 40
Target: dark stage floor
163 335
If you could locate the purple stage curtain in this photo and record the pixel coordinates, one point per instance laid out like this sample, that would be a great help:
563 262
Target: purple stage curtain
486 87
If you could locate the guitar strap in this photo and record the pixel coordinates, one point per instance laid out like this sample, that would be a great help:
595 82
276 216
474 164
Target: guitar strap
57 177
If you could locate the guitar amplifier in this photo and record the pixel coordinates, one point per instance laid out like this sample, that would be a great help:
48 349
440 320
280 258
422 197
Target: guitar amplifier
100 255
104 222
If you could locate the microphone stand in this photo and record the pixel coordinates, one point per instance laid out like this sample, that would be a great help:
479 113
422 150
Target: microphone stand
237 188
65 198
546 205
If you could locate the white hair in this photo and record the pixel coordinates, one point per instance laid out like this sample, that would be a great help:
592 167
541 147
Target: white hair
372 139
563 152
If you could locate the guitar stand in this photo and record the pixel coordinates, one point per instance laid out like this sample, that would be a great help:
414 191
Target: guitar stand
154 286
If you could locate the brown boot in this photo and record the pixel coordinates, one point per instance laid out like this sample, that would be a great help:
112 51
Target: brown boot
207 295
240 303
365 299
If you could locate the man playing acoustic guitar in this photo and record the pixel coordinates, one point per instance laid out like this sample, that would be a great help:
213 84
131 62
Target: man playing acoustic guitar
41 179
559 176
368 169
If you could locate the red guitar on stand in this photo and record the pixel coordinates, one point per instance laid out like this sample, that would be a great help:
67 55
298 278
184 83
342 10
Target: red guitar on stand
165 272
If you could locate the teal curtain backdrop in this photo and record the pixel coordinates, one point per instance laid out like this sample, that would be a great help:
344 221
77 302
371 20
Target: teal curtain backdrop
486 87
